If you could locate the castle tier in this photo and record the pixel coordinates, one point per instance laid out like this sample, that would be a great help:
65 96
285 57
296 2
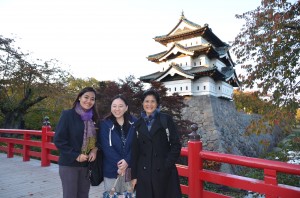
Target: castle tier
195 62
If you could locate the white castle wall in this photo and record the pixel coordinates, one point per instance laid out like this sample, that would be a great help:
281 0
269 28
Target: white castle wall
201 86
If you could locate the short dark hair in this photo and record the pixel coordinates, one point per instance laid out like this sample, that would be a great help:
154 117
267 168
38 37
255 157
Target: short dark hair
152 92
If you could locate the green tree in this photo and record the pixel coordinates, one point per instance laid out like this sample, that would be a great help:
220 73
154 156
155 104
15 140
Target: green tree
268 50
54 105
25 83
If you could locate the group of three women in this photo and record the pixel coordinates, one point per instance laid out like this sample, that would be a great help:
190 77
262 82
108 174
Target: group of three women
142 147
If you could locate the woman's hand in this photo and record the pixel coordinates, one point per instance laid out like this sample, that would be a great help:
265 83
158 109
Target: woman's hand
93 154
122 165
82 158
121 172
133 183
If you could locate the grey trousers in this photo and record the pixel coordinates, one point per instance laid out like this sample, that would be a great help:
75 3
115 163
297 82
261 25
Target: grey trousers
75 182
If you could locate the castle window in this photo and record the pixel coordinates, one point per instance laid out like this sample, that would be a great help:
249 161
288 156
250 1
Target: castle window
185 63
204 87
198 88
186 88
180 88
219 88
175 89
200 63
191 44
194 63
180 64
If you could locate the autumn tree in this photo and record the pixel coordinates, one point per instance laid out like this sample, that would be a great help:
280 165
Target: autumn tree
129 87
55 104
250 102
267 48
25 83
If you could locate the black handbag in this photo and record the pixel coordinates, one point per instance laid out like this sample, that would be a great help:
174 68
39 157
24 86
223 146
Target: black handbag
95 170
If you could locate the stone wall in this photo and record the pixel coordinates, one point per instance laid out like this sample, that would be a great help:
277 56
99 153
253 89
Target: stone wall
222 128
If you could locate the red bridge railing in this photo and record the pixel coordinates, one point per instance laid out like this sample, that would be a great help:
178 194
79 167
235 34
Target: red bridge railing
194 172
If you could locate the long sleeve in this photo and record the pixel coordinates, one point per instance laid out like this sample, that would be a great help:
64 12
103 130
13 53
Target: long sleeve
68 137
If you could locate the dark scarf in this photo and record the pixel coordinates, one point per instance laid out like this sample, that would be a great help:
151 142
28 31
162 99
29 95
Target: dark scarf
89 135
150 119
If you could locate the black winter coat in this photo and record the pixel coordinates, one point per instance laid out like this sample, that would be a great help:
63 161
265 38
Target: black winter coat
154 158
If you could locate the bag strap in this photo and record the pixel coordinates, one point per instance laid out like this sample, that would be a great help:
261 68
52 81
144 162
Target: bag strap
164 123
113 189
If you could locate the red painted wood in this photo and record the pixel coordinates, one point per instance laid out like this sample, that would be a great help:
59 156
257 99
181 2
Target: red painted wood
45 161
251 162
195 187
26 148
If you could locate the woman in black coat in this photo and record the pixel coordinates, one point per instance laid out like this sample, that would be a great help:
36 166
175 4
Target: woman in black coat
155 150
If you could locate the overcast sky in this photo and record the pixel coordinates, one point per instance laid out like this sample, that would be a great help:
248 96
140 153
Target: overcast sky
110 39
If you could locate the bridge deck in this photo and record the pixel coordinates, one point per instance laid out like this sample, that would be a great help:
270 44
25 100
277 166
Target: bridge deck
28 179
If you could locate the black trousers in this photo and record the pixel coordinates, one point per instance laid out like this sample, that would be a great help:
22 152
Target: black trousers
75 182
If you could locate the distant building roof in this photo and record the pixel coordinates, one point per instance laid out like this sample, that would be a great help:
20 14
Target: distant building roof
192 51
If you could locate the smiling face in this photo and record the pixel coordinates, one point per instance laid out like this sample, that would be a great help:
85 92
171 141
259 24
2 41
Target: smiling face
149 104
118 108
87 100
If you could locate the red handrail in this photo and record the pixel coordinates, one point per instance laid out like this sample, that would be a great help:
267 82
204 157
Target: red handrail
45 144
194 171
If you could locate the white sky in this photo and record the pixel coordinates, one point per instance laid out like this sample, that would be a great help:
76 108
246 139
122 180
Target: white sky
110 40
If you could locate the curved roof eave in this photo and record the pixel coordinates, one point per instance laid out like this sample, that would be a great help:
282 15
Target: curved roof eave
177 70
179 48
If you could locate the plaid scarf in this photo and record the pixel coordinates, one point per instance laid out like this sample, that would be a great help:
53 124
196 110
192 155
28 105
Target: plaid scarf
89 135
149 119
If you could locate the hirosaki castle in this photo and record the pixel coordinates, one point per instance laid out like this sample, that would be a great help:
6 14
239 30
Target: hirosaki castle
196 62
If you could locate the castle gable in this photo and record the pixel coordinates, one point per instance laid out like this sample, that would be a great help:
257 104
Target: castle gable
195 62
174 69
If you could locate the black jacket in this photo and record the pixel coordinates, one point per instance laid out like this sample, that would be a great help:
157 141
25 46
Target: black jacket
154 158
68 138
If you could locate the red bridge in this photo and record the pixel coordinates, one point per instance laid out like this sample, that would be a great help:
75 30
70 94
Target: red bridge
194 172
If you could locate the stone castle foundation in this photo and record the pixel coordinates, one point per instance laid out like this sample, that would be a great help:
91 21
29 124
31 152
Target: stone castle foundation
222 128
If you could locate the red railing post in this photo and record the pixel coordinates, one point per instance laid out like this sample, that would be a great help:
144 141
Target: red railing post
26 148
270 178
10 150
45 161
194 164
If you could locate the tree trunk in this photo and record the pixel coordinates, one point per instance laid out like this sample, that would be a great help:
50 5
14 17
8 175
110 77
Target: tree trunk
13 120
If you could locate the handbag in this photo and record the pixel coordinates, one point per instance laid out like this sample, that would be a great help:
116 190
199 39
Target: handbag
120 189
95 172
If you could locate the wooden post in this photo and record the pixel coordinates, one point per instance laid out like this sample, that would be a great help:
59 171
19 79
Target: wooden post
26 148
194 147
10 150
270 178
45 151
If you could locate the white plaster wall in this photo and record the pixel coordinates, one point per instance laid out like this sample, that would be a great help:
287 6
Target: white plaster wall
224 89
183 87
190 42
202 86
